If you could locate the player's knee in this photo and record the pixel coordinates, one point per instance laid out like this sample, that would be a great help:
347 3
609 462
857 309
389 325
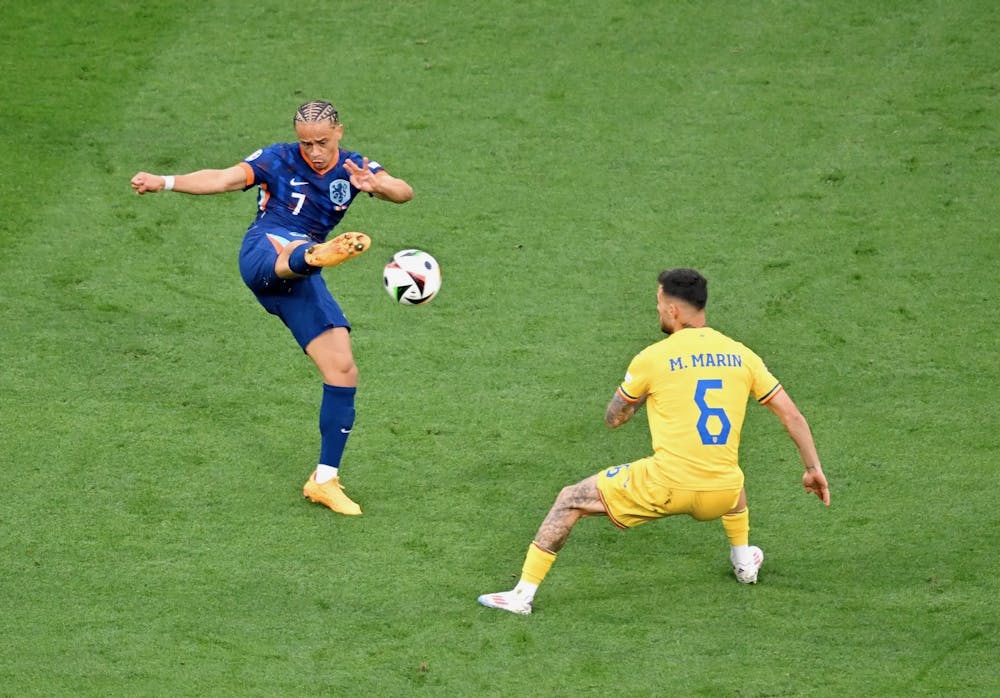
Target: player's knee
568 497
336 367
340 372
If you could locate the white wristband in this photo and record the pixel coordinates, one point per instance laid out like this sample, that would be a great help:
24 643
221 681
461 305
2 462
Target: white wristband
168 182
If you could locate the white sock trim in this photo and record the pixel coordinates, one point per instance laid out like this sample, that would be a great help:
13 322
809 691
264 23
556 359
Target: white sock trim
526 589
740 554
325 473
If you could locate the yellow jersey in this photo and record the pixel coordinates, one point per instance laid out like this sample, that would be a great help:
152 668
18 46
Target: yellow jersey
697 382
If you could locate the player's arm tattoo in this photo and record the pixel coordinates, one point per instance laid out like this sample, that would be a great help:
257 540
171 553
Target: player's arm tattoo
621 410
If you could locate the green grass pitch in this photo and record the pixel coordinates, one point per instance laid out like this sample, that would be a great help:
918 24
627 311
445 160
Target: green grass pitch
831 167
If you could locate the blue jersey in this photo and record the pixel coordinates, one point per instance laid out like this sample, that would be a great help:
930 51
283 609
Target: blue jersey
295 197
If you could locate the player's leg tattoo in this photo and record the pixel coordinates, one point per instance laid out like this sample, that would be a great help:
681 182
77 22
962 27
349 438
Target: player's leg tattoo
573 503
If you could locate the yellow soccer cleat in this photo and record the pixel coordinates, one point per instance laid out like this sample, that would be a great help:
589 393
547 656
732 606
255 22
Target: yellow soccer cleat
330 494
339 249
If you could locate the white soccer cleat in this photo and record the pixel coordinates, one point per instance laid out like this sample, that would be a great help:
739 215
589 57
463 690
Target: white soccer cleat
507 601
746 573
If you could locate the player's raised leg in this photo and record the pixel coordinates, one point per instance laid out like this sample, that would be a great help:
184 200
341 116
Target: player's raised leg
338 250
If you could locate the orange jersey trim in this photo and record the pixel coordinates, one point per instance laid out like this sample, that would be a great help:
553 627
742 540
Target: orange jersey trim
302 152
626 397
248 171
607 511
774 391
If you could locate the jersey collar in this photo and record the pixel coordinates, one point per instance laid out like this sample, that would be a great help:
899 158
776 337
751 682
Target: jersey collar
308 162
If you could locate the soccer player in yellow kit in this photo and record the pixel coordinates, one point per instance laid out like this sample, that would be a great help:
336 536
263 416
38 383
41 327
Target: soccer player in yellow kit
695 385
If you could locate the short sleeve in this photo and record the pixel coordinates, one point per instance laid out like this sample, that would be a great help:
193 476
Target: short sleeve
636 383
764 385
260 164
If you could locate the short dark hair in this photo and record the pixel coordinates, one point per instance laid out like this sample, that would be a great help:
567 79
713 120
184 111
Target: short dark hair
687 285
316 110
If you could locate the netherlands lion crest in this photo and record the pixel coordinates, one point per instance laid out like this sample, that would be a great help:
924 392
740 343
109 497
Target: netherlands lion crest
340 191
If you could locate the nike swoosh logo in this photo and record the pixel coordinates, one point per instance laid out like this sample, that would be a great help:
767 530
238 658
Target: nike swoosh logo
295 183
345 431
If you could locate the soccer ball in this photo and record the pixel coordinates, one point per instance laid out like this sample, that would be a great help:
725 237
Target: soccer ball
412 277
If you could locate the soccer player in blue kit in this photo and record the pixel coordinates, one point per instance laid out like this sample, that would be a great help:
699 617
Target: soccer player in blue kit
304 190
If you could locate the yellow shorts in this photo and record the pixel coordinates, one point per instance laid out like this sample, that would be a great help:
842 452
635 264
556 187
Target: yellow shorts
632 496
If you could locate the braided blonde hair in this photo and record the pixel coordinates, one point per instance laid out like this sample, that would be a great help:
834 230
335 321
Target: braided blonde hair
316 110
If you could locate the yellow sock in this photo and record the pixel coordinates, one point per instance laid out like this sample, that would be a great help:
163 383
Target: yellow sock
737 527
536 564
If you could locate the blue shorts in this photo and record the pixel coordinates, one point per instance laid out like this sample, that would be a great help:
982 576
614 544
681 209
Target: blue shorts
305 305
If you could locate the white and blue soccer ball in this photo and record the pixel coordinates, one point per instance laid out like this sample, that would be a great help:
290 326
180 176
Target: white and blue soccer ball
412 277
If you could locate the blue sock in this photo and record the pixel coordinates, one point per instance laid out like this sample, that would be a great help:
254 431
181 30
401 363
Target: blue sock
297 261
336 419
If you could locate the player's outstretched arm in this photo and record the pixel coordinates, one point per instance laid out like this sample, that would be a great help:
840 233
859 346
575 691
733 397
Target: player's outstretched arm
813 478
381 184
201 182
